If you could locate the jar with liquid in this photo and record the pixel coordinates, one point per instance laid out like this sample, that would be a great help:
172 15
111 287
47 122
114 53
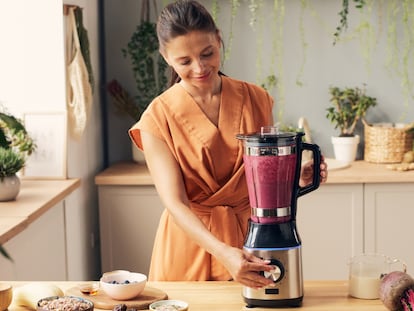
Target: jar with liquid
366 271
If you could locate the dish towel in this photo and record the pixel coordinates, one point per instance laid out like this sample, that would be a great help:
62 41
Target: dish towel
79 91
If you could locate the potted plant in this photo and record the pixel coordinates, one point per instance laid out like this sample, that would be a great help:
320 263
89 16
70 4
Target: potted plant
148 69
349 105
10 163
15 146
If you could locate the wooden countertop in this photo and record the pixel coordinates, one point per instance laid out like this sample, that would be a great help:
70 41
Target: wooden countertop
133 174
227 296
34 199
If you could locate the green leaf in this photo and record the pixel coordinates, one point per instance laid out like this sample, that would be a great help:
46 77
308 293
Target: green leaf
5 254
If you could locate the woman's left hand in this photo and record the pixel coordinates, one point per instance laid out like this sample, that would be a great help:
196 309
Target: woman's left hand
306 175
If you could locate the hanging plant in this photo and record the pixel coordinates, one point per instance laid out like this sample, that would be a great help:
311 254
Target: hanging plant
148 67
277 55
366 34
407 53
215 10
257 26
234 8
303 6
254 7
343 23
400 48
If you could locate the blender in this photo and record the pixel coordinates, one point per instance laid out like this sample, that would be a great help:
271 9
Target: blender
272 162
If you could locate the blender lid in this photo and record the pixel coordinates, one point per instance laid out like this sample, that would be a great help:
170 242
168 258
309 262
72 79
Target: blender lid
281 138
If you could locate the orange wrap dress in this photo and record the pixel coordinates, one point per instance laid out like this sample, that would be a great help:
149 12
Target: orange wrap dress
211 160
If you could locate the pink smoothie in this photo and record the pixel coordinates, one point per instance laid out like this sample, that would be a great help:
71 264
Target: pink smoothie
270 182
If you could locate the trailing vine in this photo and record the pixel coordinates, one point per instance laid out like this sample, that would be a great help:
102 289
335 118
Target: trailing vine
366 33
303 6
234 8
407 54
257 25
400 54
215 10
392 45
277 57
254 7
343 23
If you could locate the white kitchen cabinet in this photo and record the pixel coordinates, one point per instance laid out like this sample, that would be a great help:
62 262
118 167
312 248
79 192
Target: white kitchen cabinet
38 252
363 208
129 217
330 224
389 218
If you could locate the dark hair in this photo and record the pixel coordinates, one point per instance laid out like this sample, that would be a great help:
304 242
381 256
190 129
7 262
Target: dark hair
179 18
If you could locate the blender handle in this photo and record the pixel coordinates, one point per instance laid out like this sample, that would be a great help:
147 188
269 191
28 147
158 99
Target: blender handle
316 151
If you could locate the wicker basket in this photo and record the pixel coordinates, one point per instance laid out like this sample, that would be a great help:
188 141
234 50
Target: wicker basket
386 144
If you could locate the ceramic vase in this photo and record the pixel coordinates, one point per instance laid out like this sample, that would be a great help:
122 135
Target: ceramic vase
345 148
9 188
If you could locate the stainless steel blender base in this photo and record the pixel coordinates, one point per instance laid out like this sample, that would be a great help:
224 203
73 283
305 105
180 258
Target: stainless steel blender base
288 283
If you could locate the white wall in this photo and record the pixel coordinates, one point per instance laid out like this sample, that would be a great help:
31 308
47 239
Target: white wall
31 62
324 64
32 79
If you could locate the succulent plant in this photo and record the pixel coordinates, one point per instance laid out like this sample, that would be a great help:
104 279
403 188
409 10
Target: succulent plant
10 162
14 135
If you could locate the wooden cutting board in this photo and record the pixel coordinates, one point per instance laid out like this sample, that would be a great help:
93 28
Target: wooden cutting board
102 301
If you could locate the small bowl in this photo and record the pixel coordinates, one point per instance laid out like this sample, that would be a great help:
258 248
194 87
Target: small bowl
6 295
64 303
169 305
123 285
89 288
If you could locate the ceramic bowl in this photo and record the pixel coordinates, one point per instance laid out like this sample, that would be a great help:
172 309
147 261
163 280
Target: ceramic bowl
64 303
169 305
6 295
123 285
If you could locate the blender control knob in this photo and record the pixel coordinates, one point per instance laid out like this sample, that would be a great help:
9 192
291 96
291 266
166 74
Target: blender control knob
277 273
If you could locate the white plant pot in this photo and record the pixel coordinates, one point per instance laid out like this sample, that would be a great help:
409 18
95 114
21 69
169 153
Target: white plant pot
345 148
137 154
9 188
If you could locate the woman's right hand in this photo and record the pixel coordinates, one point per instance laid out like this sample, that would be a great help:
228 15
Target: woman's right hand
245 267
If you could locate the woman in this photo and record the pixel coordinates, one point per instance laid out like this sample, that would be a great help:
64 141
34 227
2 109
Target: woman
188 134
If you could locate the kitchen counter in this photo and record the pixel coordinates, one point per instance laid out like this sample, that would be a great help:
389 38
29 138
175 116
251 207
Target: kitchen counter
226 296
130 173
367 198
35 198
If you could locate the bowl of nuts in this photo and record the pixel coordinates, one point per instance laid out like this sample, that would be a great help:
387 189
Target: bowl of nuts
122 284
67 303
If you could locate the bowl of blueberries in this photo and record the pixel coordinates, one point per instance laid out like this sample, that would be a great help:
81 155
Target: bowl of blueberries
122 284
